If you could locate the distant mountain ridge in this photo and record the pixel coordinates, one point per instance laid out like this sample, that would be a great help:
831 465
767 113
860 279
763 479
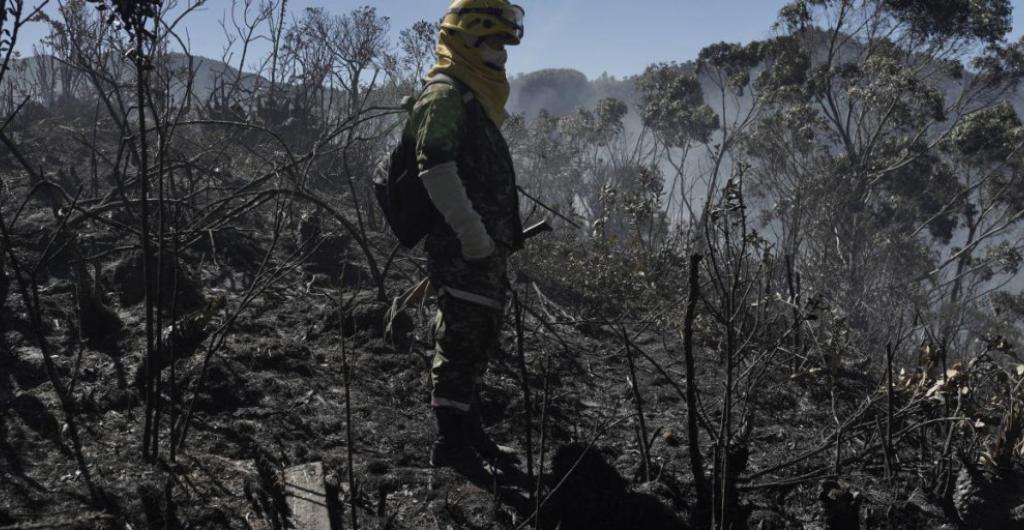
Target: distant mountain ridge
208 72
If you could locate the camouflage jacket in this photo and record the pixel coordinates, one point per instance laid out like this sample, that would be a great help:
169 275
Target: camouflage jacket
446 129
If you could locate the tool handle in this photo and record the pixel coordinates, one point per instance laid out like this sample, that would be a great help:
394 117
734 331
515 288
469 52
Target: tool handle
537 229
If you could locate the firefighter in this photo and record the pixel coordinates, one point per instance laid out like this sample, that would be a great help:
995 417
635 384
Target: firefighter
466 168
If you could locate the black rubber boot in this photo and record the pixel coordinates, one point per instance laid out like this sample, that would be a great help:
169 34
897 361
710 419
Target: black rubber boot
452 449
499 455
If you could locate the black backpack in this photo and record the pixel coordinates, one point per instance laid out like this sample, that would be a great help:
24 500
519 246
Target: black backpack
407 208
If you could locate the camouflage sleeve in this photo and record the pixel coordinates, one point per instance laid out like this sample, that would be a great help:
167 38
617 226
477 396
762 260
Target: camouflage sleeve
438 122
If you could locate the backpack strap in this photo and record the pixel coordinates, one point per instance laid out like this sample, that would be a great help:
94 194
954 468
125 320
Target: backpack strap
464 90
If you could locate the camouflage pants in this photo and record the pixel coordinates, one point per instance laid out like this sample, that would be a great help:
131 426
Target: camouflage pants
467 329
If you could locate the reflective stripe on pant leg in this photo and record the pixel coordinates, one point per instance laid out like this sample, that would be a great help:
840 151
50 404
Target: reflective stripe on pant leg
450 403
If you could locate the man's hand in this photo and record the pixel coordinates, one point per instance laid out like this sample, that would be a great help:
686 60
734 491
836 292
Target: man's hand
423 290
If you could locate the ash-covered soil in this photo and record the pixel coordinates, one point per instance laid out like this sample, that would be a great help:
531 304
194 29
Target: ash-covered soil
274 396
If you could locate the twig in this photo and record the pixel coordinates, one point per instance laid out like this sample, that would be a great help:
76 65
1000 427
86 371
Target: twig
786 483
538 202
543 434
347 379
634 384
890 401
693 434
147 274
524 377
886 444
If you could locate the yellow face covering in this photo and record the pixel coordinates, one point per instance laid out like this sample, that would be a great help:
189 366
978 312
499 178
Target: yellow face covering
457 59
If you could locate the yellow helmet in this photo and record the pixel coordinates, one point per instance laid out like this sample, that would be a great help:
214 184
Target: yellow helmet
486 18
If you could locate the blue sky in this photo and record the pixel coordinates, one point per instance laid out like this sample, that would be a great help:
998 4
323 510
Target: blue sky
593 36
